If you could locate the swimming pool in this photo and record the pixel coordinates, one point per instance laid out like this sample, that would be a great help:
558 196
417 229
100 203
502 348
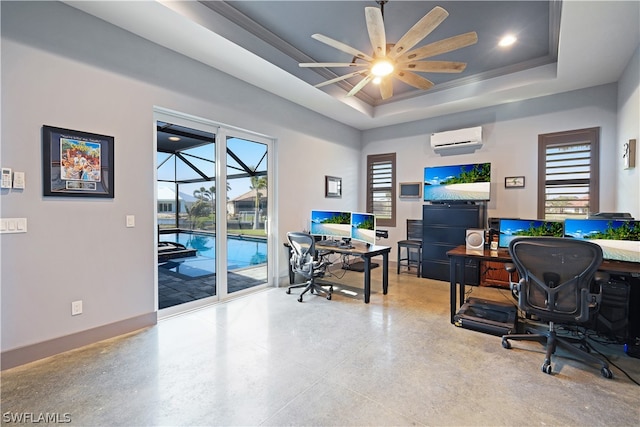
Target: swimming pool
241 253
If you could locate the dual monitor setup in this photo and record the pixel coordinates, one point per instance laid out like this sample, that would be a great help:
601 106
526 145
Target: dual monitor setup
619 238
341 225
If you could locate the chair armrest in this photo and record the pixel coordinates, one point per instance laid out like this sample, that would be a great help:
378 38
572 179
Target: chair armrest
594 297
515 287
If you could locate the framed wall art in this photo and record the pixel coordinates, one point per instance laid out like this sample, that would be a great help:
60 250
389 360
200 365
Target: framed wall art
332 186
76 163
514 182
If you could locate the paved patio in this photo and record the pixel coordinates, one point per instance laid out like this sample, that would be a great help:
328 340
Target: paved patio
175 289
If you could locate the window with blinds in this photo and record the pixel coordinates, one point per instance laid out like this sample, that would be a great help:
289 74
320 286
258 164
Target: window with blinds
568 174
381 184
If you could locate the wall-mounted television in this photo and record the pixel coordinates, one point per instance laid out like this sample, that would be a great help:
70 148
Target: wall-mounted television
619 239
363 227
512 228
470 182
331 224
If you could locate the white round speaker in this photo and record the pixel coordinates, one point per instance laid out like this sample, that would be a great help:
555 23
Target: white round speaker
475 239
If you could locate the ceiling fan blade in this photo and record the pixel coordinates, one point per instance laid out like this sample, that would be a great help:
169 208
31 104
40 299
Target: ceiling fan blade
413 79
375 27
419 31
360 85
434 66
341 46
386 88
331 64
337 79
442 46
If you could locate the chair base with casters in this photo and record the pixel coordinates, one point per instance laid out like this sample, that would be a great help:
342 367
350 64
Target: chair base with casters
552 341
312 287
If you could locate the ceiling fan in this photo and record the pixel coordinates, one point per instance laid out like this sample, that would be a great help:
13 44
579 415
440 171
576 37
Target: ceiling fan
397 60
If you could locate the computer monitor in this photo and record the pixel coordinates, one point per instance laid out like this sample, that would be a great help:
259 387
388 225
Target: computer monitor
334 224
457 183
363 227
512 228
619 239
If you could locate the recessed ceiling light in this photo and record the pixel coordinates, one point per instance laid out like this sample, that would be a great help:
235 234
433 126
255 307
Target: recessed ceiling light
174 138
507 40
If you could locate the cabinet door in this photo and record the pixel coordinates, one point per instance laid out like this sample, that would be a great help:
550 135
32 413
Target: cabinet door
494 274
452 215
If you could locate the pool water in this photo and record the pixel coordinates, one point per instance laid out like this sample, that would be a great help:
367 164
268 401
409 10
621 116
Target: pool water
241 253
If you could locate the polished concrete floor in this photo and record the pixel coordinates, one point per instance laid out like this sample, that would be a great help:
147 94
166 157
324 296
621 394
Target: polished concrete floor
265 359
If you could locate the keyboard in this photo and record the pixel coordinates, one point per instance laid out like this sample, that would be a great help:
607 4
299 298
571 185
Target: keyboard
335 244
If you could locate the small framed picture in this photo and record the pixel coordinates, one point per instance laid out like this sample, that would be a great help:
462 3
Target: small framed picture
410 190
514 182
332 186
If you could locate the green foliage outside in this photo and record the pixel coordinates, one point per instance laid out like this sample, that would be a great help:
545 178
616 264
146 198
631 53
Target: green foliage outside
628 231
479 173
546 229
343 218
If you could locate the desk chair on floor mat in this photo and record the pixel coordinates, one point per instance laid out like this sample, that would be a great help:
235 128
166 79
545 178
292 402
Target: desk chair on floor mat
304 262
555 286
412 246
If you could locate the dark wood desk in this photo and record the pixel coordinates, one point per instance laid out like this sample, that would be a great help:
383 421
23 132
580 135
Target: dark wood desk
459 256
360 251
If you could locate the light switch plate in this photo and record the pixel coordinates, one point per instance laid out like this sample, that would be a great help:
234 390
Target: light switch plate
18 180
131 221
13 225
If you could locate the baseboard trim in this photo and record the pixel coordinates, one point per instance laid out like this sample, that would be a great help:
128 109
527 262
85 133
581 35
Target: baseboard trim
31 353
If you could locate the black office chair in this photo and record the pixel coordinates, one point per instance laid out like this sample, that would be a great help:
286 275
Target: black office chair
412 246
556 277
304 261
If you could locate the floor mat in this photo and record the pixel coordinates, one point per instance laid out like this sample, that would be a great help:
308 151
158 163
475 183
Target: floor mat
358 266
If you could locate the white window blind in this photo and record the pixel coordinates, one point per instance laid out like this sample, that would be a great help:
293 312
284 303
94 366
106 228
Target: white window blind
569 175
381 188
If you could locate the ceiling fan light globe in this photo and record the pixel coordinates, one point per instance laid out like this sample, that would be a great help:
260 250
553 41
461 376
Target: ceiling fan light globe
507 40
376 80
382 68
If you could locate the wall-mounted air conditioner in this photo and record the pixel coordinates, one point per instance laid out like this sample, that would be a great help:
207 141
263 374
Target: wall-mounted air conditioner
461 140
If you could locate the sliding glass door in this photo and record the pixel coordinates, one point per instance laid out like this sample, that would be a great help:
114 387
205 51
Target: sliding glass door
212 212
247 211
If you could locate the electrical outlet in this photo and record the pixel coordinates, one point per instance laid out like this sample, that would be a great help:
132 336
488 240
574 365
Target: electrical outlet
76 308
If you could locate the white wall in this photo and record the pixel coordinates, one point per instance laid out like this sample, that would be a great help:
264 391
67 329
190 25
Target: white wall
510 135
628 180
63 68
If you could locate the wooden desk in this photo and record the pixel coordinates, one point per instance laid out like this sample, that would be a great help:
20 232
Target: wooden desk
365 253
459 255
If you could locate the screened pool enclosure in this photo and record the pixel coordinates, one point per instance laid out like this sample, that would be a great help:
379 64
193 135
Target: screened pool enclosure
190 205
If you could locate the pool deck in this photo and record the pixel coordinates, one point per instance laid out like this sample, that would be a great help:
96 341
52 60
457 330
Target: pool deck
176 289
